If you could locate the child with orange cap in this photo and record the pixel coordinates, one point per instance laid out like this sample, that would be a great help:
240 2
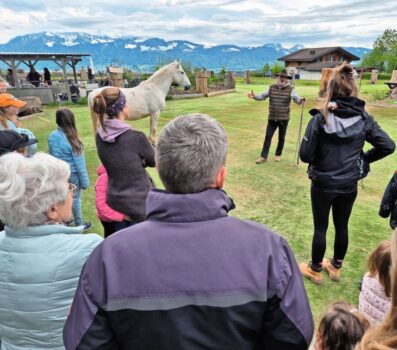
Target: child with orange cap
9 109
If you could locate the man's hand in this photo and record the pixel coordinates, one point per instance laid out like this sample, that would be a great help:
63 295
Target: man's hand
251 94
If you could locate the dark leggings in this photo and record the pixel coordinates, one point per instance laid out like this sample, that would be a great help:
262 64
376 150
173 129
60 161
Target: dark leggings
341 204
114 226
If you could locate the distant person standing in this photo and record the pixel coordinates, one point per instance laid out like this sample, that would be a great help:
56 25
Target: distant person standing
33 77
47 77
90 75
280 95
10 77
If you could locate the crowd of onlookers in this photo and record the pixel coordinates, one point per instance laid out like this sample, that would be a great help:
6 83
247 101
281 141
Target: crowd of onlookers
36 79
175 271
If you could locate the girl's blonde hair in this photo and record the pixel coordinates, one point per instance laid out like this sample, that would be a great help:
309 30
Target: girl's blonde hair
341 84
384 336
3 119
379 263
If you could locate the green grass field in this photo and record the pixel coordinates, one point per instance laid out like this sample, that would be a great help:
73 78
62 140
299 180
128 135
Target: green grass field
275 194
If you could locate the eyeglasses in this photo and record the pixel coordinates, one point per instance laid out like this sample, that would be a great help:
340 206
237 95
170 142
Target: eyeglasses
72 188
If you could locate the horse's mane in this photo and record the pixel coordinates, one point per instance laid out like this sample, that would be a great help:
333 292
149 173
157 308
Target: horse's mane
160 73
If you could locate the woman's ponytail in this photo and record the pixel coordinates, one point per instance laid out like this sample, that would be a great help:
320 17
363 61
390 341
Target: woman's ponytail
102 101
99 108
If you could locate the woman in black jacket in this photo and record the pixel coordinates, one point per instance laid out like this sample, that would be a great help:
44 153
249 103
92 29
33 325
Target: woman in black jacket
333 147
125 153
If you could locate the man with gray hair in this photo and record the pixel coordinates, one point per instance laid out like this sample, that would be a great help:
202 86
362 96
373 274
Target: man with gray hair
191 277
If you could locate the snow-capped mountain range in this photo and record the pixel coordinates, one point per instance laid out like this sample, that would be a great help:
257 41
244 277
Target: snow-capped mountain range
146 53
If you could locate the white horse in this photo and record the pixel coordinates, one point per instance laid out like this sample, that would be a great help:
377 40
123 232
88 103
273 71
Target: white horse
148 98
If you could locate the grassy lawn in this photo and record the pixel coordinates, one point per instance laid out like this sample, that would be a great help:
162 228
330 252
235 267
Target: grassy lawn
275 194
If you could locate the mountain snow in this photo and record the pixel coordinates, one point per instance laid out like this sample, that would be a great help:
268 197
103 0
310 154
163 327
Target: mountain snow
146 53
130 46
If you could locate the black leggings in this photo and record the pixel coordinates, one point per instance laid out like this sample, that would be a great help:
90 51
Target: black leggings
341 204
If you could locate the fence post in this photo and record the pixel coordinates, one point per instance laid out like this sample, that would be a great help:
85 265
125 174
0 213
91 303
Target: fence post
247 77
374 76
202 82
230 80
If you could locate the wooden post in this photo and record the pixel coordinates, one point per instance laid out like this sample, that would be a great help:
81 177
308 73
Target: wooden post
14 73
394 77
230 80
325 75
374 76
74 72
247 77
65 76
202 82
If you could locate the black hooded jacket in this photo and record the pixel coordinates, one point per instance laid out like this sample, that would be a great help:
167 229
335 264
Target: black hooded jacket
334 149
389 202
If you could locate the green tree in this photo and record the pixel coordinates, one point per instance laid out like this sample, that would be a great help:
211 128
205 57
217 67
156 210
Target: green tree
384 54
277 68
266 68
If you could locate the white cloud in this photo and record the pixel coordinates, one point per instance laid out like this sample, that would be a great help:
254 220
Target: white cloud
208 22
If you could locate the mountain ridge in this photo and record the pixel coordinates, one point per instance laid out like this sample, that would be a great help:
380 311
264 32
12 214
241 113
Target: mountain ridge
149 52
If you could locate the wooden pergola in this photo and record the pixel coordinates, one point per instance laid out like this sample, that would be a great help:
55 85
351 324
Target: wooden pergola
30 59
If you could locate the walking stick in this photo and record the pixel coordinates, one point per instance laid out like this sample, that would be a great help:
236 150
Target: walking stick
298 141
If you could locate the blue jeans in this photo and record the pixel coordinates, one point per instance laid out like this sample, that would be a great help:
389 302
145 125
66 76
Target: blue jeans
76 207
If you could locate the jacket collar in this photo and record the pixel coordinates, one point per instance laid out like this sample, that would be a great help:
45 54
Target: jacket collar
207 205
43 230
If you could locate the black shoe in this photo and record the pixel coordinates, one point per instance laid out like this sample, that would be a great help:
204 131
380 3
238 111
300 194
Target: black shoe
87 226
69 222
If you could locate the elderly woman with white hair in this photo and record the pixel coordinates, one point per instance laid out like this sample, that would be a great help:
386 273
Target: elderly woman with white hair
40 258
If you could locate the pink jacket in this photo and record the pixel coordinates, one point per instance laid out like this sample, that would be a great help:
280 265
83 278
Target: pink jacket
373 302
103 211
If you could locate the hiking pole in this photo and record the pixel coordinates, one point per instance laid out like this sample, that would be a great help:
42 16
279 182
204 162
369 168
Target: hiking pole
298 141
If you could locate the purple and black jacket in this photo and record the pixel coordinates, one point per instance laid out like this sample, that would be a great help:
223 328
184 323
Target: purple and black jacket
190 277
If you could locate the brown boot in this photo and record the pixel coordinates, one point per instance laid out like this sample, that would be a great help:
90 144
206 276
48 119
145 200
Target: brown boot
333 272
277 158
307 271
261 160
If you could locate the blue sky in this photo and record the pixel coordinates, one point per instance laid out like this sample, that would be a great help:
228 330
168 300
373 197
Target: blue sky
211 22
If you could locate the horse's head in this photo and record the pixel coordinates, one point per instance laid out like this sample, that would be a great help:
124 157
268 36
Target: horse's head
179 76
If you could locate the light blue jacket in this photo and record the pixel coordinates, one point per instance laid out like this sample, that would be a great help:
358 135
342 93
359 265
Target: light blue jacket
39 270
59 147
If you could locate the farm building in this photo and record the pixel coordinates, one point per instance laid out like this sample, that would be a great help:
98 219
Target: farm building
310 62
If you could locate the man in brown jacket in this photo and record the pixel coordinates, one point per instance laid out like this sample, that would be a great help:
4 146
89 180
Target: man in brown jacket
280 95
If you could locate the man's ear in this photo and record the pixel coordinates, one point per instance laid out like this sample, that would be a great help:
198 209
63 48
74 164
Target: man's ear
220 177
52 213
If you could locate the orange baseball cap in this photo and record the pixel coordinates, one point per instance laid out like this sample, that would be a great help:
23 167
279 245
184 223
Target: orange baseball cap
9 100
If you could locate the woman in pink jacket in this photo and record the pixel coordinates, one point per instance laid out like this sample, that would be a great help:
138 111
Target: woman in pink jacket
109 217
